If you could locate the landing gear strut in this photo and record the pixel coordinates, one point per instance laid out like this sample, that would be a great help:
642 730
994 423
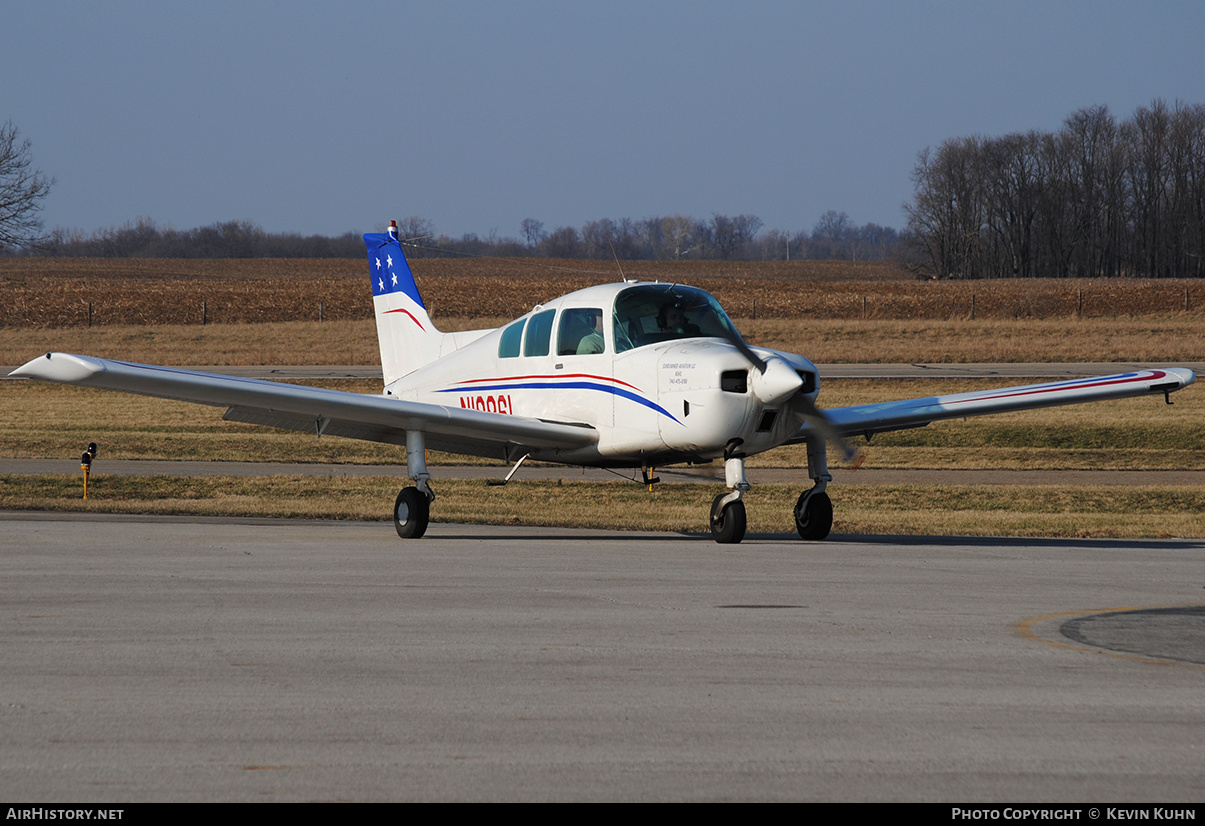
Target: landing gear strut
814 510
412 508
728 509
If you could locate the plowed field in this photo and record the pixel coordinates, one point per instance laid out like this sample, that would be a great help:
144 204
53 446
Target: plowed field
46 292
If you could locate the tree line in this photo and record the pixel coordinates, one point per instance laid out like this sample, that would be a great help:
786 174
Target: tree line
721 237
1098 198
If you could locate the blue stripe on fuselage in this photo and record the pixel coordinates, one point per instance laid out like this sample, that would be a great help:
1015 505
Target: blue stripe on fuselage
567 385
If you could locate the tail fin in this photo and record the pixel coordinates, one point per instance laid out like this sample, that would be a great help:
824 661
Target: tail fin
407 337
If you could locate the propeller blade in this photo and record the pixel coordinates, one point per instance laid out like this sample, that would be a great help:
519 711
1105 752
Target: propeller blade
734 338
825 427
747 351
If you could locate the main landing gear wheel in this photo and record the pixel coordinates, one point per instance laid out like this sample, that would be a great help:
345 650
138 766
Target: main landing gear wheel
411 512
727 521
813 515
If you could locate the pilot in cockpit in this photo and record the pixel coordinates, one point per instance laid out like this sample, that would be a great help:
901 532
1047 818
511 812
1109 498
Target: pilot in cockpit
672 319
592 342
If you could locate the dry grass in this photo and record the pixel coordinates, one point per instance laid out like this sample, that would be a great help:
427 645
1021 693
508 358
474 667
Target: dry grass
298 342
909 509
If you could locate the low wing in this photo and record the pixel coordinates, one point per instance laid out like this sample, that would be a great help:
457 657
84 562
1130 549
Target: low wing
317 410
868 419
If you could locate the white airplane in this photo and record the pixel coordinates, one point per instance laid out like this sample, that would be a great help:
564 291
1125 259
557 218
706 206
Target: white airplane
627 375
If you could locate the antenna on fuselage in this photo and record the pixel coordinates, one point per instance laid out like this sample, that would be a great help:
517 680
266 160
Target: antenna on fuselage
615 255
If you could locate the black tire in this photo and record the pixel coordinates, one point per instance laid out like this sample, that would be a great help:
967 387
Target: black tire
727 521
411 512
816 519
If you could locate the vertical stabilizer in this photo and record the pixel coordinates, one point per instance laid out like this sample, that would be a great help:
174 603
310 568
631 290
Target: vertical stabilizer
408 338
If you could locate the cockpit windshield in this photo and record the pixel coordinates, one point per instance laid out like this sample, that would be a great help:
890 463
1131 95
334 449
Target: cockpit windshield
652 313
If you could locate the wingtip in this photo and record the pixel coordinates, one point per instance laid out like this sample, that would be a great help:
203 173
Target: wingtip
1185 375
61 367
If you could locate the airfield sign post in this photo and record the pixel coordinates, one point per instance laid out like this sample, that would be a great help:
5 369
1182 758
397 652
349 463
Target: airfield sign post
86 464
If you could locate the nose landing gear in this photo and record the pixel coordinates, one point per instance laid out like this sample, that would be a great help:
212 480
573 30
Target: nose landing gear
728 509
728 519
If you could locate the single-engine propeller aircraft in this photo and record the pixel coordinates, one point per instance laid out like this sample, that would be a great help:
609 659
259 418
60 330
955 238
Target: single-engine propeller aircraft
626 375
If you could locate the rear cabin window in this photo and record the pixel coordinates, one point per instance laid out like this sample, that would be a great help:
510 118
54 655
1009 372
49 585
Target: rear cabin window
539 334
512 337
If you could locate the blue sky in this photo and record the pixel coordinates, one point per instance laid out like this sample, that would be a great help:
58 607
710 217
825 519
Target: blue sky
328 118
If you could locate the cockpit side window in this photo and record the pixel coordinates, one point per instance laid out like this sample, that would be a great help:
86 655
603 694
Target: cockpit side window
580 332
512 337
539 334
652 313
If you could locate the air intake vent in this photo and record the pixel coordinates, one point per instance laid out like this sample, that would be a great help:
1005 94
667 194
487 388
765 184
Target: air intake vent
734 381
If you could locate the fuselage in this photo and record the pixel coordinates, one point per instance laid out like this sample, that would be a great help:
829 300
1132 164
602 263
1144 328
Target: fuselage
649 366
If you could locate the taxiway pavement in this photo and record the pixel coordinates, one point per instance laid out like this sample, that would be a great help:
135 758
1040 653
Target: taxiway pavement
165 658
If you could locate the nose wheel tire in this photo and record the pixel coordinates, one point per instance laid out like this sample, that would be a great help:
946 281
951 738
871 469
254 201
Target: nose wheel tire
813 516
727 521
411 512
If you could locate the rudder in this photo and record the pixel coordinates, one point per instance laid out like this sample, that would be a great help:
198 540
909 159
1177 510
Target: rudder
407 337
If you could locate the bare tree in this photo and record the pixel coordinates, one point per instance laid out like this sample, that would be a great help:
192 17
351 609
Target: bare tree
598 238
732 236
946 216
563 242
21 191
680 234
1098 198
533 232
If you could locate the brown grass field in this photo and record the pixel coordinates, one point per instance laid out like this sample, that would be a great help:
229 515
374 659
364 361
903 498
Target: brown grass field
266 312
53 292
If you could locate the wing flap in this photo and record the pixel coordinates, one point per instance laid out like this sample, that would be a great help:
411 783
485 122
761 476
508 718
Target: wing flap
868 419
295 407
478 446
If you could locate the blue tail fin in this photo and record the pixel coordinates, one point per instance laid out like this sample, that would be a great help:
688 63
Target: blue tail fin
407 337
